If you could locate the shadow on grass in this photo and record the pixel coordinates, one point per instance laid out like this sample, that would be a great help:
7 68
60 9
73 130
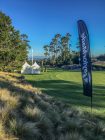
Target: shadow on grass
71 92
68 91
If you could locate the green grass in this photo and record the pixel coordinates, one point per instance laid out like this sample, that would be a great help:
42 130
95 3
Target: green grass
28 114
67 86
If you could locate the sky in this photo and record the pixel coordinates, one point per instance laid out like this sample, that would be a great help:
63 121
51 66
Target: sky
42 19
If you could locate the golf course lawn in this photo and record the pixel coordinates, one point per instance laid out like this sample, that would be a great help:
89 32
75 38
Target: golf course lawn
67 86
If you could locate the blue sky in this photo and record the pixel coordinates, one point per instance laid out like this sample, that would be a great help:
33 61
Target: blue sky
42 19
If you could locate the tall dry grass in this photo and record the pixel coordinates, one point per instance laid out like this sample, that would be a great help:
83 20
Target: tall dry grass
28 114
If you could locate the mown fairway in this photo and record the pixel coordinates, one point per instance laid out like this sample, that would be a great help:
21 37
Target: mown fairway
67 86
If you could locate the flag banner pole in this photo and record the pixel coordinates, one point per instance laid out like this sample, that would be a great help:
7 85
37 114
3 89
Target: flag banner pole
91 104
85 59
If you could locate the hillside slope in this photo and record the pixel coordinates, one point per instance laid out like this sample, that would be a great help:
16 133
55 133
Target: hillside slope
28 114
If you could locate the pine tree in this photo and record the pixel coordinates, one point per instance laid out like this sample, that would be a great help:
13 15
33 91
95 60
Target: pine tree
13 46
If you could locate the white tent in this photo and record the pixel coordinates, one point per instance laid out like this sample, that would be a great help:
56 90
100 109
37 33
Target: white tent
35 68
27 69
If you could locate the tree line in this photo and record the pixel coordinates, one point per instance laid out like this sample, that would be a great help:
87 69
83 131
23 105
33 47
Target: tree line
14 46
101 57
59 52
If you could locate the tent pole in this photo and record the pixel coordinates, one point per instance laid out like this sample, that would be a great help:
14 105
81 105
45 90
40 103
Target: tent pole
32 60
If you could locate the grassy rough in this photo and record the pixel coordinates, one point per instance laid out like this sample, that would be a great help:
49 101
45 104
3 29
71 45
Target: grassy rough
67 86
27 114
